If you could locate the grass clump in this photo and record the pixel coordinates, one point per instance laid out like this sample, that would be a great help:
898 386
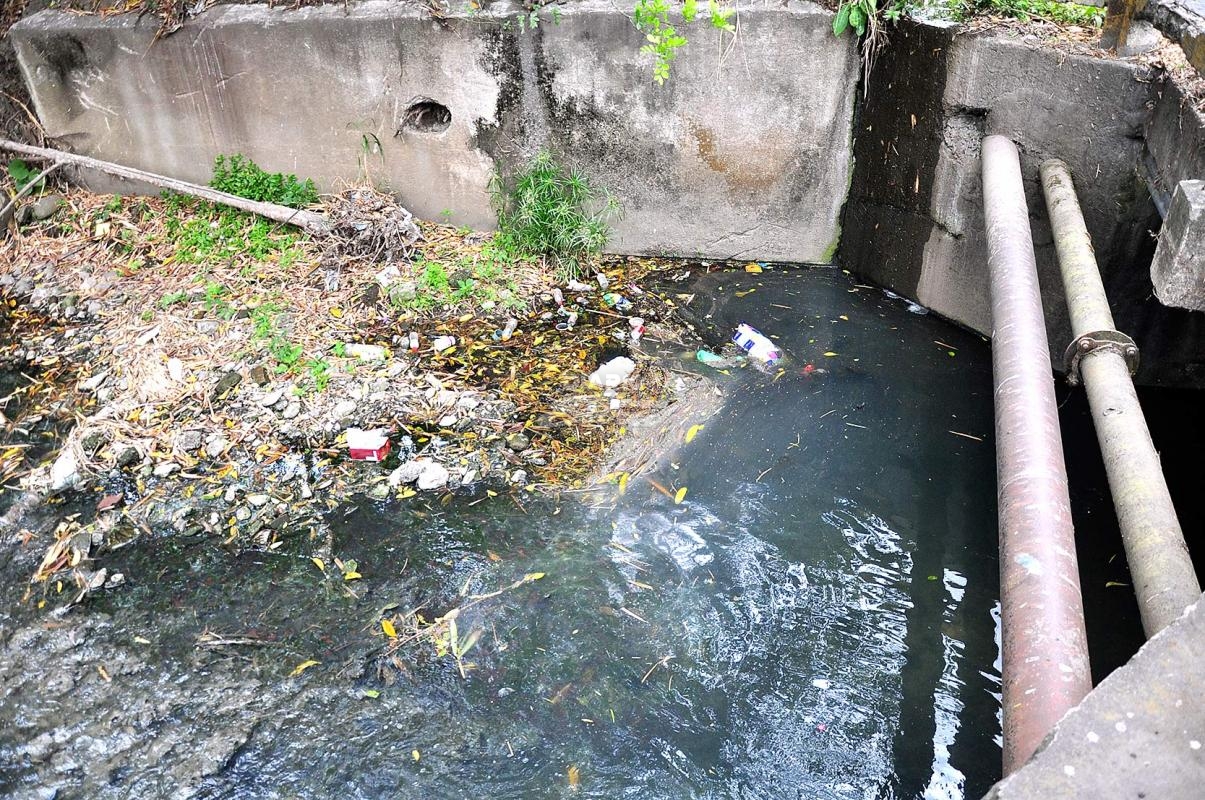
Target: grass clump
550 211
243 177
1025 10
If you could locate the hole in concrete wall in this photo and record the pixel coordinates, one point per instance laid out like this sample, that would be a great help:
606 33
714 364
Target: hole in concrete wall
424 115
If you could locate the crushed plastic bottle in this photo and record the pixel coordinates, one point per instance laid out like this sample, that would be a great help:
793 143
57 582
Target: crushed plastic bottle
637 325
507 331
602 280
617 302
578 286
755 344
558 297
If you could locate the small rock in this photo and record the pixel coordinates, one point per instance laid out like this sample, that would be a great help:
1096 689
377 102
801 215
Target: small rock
45 207
64 473
344 409
231 494
518 442
519 477
216 446
380 385
225 384
175 369
188 441
291 410
448 422
104 394
468 477
93 441
260 375
272 398
128 456
379 491
93 383
242 513
280 405
408 472
259 500
165 469
467 403
115 580
434 476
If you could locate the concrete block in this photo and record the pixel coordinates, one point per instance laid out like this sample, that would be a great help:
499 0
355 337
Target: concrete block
745 152
1138 734
1178 269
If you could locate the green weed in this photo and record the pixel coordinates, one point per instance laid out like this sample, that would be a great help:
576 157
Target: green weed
243 177
548 210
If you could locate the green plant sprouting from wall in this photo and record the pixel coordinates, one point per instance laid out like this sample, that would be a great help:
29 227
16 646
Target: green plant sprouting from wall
652 18
549 210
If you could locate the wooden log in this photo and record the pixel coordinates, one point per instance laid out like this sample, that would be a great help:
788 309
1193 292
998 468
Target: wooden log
310 221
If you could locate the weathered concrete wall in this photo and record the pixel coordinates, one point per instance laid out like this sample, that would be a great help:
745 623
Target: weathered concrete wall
921 230
745 152
1178 270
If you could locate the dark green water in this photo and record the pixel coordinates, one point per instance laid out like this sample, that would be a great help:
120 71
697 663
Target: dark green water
814 620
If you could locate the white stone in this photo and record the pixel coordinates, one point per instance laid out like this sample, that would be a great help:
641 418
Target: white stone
64 473
434 476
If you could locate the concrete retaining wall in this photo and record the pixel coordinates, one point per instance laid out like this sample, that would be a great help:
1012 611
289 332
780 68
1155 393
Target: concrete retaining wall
915 219
746 151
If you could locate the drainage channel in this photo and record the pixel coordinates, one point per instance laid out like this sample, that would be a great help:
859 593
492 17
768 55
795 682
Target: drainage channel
814 618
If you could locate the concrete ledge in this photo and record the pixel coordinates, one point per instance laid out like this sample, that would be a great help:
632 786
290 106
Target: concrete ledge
745 152
1178 270
1182 21
1139 734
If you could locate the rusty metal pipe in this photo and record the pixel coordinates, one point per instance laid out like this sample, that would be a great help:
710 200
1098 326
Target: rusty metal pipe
1045 647
1164 578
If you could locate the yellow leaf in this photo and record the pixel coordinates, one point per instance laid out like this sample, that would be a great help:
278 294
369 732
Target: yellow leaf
746 292
681 494
623 482
693 432
336 312
844 318
753 267
318 563
302 667
351 576
829 354
575 776
415 755
533 576
390 631
491 493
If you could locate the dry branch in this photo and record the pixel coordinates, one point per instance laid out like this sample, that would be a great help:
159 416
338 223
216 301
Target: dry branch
307 220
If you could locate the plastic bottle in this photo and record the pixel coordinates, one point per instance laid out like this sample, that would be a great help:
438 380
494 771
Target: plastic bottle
443 343
413 337
602 280
637 328
509 330
755 344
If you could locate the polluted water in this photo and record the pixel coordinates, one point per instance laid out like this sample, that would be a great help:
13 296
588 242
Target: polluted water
795 599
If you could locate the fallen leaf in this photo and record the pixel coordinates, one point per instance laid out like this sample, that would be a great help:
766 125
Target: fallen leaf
302 667
681 494
693 432
108 501
390 631
575 776
336 312
318 563
371 694
415 755
745 293
829 354
753 267
352 576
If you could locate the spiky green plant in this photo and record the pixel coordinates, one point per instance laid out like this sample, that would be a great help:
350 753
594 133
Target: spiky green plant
549 210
